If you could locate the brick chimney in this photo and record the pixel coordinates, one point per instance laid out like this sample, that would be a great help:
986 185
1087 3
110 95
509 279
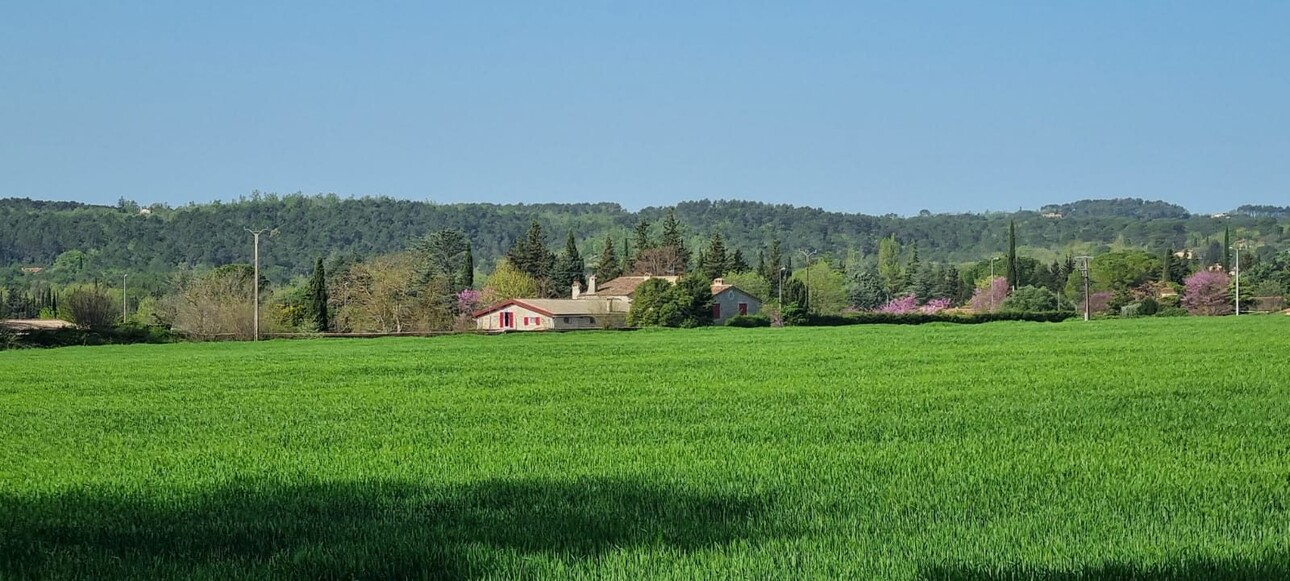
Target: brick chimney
577 289
718 281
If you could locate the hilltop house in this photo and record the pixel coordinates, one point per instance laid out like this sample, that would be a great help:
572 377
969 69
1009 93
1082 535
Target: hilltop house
600 307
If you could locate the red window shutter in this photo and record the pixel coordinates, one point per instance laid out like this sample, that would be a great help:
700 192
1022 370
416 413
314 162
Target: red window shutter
716 311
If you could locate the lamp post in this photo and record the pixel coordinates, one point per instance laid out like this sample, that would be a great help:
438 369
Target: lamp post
124 310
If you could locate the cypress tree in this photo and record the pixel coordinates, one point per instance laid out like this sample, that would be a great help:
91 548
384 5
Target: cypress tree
1167 265
318 314
1227 249
627 265
1013 274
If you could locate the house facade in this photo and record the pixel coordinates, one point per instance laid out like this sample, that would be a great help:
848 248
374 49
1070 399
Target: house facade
729 301
600 307
552 314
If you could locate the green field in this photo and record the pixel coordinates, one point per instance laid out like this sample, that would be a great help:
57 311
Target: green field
1121 449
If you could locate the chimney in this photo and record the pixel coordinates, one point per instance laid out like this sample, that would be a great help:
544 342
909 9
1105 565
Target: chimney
718 281
591 285
577 289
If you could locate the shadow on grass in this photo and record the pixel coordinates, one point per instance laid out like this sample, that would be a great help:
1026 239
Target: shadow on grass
361 529
1275 566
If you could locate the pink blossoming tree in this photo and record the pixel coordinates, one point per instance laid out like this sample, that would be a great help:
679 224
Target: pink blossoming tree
989 297
1205 293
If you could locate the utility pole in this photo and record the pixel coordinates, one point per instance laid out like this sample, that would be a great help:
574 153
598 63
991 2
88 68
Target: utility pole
808 254
124 310
781 288
255 282
1081 262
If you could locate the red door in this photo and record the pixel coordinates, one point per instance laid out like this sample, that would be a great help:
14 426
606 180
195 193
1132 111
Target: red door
743 308
508 320
716 311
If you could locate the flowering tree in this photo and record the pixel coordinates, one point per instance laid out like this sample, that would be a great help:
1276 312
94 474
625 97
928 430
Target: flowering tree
468 300
1098 302
934 306
989 296
1205 293
900 305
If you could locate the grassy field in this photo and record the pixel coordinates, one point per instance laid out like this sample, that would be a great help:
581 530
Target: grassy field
1112 449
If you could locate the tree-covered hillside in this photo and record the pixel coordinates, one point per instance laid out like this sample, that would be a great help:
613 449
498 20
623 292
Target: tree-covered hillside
75 241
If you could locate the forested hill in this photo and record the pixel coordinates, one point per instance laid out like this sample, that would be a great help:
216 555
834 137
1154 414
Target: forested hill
107 241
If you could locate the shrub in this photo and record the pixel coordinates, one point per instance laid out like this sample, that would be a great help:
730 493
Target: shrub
90 307
1031 299
916 318
1148 307
748 321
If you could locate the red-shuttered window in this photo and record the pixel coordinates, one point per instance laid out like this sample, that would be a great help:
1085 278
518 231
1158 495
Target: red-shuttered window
716 311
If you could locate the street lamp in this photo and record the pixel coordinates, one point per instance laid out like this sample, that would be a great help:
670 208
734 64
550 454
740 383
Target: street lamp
124 312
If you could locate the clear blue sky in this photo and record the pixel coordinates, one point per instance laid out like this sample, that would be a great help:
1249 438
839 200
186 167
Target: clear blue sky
856 106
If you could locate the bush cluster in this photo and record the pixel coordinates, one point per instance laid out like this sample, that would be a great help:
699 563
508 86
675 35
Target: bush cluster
921 318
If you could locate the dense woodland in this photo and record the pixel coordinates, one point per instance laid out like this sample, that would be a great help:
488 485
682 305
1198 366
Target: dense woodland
379 264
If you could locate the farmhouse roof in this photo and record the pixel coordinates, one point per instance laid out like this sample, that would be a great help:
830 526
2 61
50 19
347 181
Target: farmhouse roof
625 286
560 307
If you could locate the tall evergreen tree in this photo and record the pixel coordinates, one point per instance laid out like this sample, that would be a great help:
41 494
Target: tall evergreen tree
1013 273
761 264
530 254
674 238
1227 249
775 261
466 276
317 289
569 267
715 261
643 241
737 262
626 266
1167 265
608 268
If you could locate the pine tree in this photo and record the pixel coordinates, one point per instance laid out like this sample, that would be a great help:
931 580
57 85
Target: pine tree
317 289
531 256
715 261
673 238
569 267
737 262
761 263
773 263
643 241
609 268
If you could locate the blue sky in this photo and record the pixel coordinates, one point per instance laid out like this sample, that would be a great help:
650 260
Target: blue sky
854 106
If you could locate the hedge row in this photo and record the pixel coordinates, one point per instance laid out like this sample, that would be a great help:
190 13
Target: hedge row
921 318
70 337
